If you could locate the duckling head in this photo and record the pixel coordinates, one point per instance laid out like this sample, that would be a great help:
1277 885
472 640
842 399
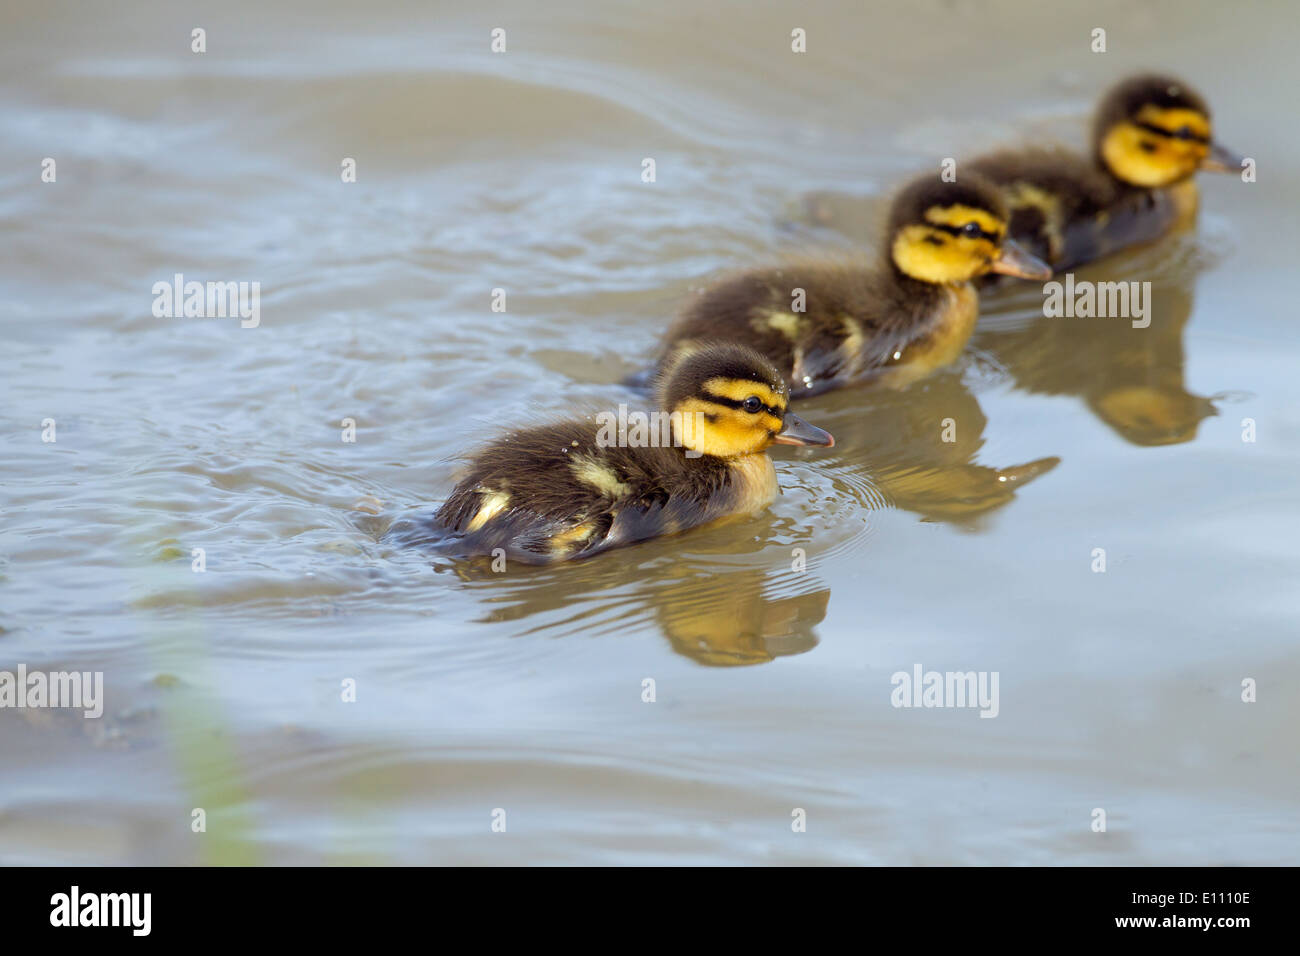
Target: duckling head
727 400
951 232
1153 131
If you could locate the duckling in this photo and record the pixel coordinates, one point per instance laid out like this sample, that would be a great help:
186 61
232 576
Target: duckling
1150 135
568 490
830 324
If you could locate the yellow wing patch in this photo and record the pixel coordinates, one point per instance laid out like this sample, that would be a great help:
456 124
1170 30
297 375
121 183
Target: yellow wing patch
494 502
563 541
787 323
854 339
600 476
1023 195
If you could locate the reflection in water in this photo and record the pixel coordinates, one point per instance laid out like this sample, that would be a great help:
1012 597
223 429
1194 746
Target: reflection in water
896 449
1131 378
736 622
703 591
710 610
920 444
902 435
222 689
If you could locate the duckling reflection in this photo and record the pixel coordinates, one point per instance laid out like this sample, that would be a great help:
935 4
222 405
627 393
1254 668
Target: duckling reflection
740 624
1130 378
900 437
714 612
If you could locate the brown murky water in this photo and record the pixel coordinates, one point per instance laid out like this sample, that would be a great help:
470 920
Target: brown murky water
523 691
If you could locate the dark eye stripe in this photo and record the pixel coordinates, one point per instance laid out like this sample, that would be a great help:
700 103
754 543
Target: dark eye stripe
960 231
1171 134
740 406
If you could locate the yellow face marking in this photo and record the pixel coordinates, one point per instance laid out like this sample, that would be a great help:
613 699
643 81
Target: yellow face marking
739 389
938 256
959 215
1146 158
933 256
713 429
493 504
600 476
1174 119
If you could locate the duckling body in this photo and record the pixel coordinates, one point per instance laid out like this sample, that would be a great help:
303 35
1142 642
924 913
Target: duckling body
553 493
1151 134
858 323
830 324
1067 211
564 491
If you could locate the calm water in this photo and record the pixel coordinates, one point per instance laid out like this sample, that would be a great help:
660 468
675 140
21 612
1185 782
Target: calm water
523 691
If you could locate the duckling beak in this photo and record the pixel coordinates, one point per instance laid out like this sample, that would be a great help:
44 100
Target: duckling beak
1015 260
799 432
1220 159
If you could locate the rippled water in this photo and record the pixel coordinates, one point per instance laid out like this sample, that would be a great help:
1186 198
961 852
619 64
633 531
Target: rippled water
523 691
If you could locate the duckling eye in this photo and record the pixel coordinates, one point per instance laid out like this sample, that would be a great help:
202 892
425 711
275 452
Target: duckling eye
1184 133
971 229
752 404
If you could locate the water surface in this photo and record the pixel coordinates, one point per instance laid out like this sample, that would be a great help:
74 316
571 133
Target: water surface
771 642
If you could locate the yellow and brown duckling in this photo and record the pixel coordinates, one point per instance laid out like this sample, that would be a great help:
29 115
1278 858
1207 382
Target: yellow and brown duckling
826 325
571 490
1151 134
